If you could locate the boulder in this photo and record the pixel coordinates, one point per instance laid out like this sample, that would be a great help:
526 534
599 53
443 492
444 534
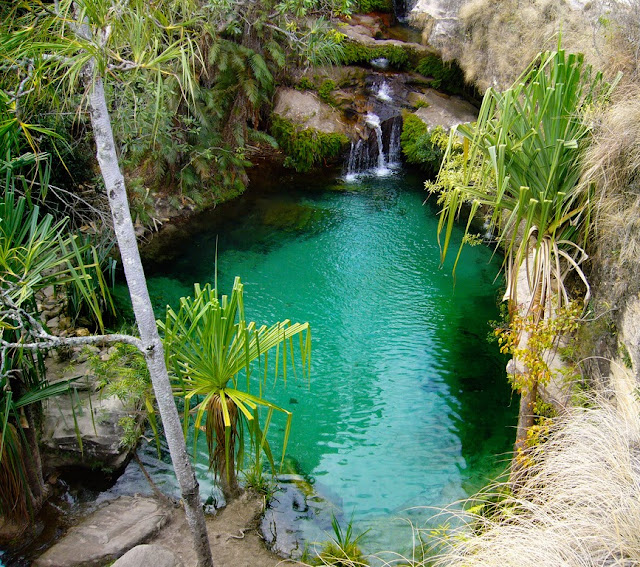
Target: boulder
97 441
308 111
82 428
437 18
148 555
443 110
108 533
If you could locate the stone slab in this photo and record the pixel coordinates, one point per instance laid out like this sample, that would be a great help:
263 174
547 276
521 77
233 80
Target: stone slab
107 534
152 555
443 110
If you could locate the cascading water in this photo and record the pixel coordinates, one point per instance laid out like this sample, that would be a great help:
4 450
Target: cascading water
401 9
395 148
358 160
373 121
377 155
384 92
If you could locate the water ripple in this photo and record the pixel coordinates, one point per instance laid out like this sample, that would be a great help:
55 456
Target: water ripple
404 391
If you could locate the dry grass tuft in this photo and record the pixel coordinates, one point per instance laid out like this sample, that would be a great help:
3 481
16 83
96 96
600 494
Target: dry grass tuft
498 39
612 168
580 506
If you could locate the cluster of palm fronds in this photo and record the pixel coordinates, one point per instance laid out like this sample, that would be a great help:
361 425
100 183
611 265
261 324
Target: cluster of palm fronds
211 349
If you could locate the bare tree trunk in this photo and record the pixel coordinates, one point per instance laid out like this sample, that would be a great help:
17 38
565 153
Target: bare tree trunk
145 318
528 398
33 462
229 483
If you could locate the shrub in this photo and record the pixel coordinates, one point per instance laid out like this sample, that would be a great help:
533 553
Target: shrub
342 550
305 147
579 505
305 84
366 6
422 147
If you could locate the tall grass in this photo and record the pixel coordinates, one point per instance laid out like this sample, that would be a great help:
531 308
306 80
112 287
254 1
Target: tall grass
580 506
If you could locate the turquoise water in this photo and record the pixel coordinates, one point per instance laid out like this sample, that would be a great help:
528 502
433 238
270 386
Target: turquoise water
408 404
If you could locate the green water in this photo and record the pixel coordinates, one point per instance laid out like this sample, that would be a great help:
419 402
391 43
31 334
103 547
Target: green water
408 404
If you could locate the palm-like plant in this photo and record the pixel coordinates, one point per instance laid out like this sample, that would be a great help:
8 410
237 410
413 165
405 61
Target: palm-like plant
209 346
523 161
35 252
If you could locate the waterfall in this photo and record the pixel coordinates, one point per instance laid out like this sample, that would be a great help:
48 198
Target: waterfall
380 62
378 154
373 120
401 9
395 148
358 161
384 92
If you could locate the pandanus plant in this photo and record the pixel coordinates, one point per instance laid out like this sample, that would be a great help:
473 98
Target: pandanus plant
523 162
214 355
35 252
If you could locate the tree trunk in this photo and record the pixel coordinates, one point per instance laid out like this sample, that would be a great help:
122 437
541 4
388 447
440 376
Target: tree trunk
145 318
229 483
526 414
33 461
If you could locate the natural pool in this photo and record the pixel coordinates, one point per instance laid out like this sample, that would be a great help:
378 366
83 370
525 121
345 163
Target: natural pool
408 404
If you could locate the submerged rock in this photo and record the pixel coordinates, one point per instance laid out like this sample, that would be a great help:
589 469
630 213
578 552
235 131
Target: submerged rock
296 511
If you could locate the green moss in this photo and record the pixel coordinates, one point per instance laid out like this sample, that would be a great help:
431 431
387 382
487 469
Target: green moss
422 147
305 84
447 77
325 92
399 57
366 6
305 147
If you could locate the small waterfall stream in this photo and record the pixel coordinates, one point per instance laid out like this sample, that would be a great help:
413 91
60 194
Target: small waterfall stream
377 153
373 121
395 148
384 92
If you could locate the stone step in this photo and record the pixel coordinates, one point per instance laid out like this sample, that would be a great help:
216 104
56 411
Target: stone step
108 533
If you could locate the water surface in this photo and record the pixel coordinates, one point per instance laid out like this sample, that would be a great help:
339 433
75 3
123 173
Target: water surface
408 404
